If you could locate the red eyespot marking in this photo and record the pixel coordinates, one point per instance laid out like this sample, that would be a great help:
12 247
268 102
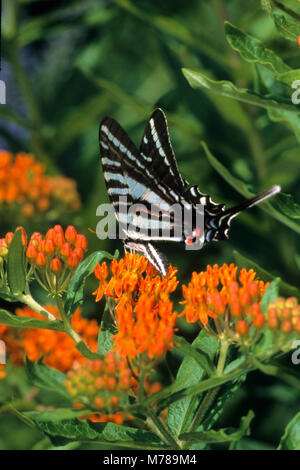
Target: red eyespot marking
189 240
196 232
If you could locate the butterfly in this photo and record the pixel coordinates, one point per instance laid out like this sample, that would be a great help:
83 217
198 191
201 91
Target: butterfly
148 180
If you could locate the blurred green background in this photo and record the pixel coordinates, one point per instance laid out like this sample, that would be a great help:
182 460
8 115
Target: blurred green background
69 64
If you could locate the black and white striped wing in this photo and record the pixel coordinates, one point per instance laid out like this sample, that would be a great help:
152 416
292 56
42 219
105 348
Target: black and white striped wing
127 174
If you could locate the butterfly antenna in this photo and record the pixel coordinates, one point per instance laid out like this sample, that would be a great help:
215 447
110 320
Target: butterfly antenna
233 211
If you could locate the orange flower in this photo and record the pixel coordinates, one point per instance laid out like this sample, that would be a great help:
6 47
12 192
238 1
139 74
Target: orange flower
56 348
24 185
219 292
144 312
101 385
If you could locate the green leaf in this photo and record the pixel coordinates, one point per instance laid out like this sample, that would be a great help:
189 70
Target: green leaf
7 318
292 119
74 429
270 295
15 264
291 438
222 435
286 204
190 373
190 350
289 29
242 188
223 395
45 377
59 414
107 330
87 352
225 88
284 288
252 50
7 296
75 288
289 77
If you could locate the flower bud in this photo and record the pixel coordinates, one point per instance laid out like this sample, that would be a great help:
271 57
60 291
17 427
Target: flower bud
236 309
73 260
66 250
49 247
79 252
56 265
81 242
71 234
242 328
99 403
286 326
259 320
41 259
31 252
59 239
50 234
9 237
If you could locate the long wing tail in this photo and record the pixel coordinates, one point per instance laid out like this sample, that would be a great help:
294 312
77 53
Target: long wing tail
233 211
219 225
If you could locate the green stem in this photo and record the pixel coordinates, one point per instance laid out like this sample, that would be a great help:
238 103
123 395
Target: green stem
211 394
161 429
29 300
68 327
141 385
222 357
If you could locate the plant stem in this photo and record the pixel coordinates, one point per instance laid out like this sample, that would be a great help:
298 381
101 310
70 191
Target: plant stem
222 356
161 429
210 394
29 300
68 327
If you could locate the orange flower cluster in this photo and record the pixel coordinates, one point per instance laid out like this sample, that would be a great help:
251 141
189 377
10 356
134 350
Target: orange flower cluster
102 386
144 312
56 348
284 315
24 184
220 294
57 248
54 258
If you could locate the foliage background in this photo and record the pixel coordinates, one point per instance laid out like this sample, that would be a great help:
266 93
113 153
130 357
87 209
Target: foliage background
69 64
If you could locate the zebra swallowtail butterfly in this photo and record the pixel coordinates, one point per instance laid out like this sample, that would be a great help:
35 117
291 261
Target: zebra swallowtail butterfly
150 176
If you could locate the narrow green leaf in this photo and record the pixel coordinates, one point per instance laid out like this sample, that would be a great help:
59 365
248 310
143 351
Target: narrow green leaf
45 377
284 288
289 29
242 188
8 318
107 329
198 80
199 355
59 414
15 264
222 435
288 206
190 373
270 295
74 429
75 289
291 438
252 49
